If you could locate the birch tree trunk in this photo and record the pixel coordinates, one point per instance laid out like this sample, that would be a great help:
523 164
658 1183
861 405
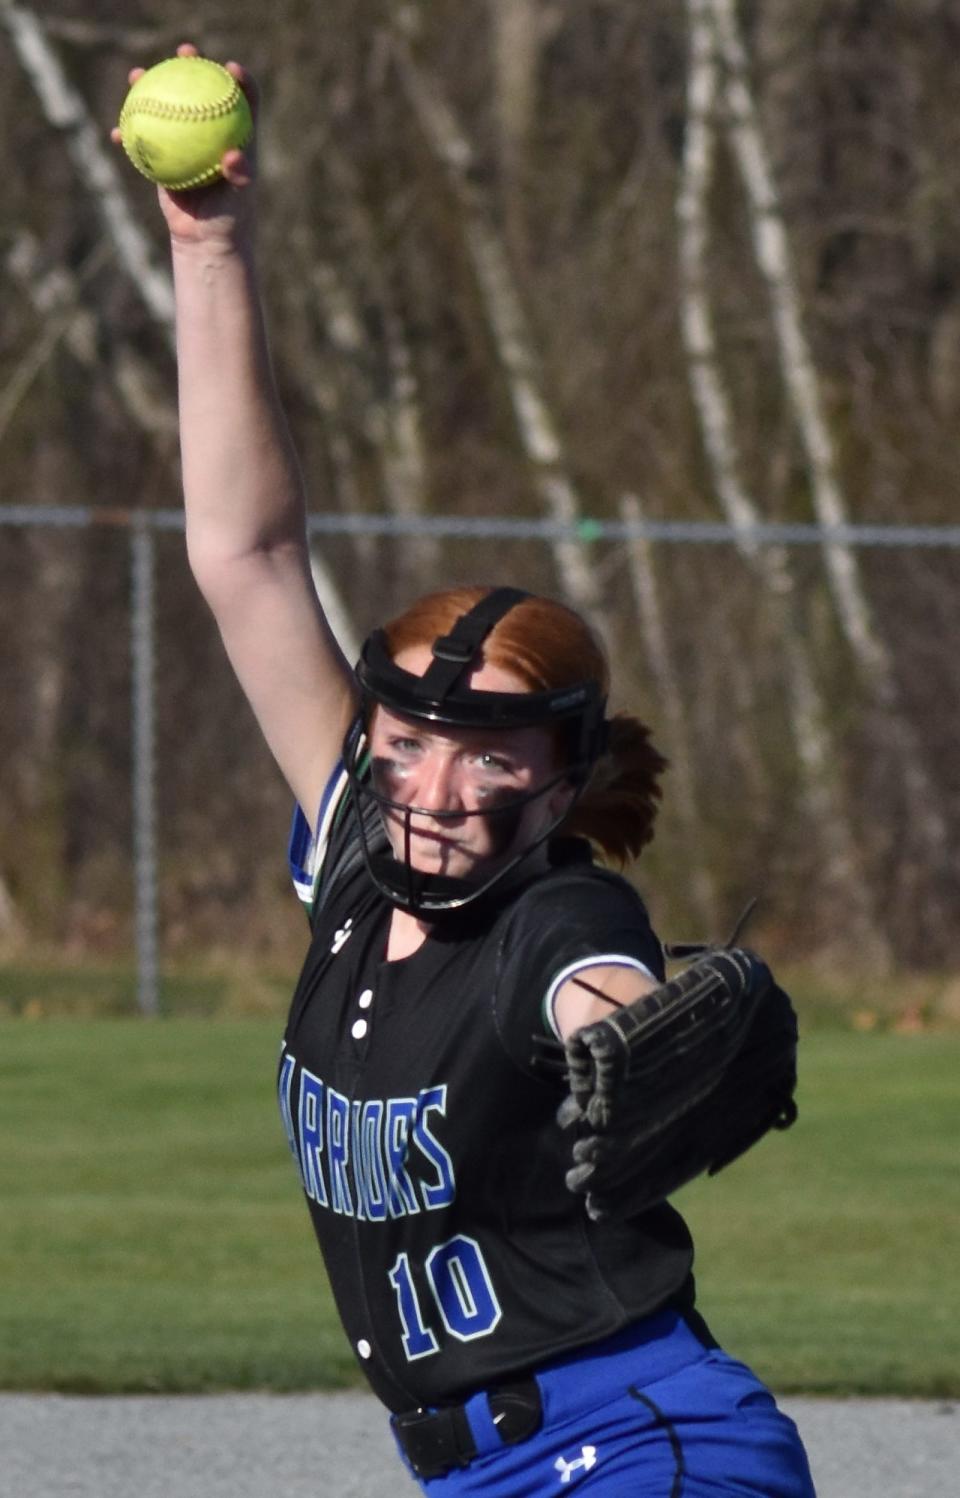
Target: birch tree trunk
800 380
320 386
516 31
402 443
393 419
535 425
843 872
391 423
11 927
685 801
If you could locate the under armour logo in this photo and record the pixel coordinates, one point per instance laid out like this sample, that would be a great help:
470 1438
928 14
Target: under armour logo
341 935
586 1460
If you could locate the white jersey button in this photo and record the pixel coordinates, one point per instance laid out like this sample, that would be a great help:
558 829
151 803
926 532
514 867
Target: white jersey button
366 998
359 1029
364 1348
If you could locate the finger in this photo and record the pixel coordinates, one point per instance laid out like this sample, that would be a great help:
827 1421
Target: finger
569 1113
246 82
600 1112
187 49
590 1151
578 1179
236 169
115 135
134 74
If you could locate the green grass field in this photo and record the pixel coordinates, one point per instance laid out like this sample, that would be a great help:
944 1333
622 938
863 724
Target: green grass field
152 1234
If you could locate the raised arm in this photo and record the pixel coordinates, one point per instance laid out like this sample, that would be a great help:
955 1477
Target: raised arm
243 490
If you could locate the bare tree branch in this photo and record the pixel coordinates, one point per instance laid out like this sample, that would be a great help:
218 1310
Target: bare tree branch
393 421
535 423
66 111
137 41
61 297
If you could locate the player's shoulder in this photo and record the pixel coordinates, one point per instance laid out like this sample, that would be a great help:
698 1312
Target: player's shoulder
577 906
573 916
584 890
326 858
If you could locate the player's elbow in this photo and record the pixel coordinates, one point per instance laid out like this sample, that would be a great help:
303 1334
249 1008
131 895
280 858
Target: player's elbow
225 575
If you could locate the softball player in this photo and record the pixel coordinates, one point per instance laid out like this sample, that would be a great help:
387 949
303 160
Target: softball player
517 1290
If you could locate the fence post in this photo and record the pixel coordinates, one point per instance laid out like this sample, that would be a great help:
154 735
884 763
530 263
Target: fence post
143 762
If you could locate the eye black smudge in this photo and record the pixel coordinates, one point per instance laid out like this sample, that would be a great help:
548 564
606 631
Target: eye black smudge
503 811
386 777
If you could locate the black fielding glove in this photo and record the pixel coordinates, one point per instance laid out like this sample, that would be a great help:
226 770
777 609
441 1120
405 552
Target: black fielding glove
681 1081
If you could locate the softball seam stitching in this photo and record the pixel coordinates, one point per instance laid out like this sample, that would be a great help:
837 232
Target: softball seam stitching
162 110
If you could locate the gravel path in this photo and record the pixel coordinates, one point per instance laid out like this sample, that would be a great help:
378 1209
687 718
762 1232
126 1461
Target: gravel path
337 1446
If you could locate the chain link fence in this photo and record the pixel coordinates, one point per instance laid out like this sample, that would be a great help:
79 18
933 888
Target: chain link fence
141 529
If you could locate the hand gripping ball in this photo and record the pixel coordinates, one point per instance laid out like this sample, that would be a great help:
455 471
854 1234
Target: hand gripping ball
179 119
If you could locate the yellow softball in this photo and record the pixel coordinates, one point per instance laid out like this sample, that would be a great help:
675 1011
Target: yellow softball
179 119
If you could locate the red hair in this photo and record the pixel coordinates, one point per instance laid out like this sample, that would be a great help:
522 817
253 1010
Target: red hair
548 645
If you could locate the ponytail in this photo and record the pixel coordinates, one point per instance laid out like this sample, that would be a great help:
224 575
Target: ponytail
619 805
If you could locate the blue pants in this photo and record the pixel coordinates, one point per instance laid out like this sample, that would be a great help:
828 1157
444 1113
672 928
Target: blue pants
649 1413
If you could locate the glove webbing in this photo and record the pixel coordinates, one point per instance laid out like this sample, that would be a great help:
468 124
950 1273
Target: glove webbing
657 1057
694 1106
754 1097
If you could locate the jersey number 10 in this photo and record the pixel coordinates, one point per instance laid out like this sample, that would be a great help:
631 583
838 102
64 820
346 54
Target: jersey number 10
459 1284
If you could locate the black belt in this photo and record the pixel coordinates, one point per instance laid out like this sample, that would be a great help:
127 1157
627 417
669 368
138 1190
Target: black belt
436 1441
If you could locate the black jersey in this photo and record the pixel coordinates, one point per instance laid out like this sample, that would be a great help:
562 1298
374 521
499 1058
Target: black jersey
426 1141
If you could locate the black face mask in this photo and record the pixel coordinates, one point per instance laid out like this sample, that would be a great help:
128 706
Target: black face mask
433 896
441 697
500 806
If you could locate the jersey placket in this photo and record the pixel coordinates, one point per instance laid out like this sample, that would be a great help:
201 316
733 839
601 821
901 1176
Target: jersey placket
358 1053
360 1033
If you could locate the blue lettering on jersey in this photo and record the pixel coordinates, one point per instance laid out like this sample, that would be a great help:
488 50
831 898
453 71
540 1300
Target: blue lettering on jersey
401 1197
370 1159
442 1191
356 1154
374 1178
286 1078
338 1151
311 1136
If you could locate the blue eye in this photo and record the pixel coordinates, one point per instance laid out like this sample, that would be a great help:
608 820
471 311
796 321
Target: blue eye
490 761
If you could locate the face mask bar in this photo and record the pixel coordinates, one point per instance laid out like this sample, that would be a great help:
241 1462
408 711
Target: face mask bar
441 696
436 895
